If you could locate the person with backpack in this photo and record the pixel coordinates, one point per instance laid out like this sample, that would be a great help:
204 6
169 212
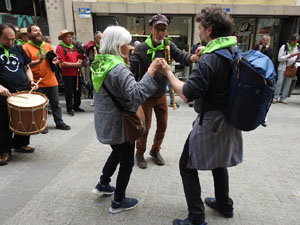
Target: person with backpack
70 62
213 144
90 49
287 55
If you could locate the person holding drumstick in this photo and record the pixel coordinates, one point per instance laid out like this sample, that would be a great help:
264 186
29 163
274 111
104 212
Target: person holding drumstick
42 56
15 75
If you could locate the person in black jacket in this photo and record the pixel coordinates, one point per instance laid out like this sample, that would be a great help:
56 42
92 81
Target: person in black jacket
264 46
141 59
213 144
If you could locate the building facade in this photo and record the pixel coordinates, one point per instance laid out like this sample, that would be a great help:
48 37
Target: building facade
253 18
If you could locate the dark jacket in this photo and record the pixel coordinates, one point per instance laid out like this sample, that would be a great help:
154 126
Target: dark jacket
268 52
140 61
210 78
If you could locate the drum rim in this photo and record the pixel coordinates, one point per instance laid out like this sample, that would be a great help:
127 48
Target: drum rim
27 107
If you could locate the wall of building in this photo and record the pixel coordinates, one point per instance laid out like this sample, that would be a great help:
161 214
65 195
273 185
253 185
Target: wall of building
239 2
60 16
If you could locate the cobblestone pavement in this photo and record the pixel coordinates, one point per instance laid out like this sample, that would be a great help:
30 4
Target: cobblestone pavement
53 185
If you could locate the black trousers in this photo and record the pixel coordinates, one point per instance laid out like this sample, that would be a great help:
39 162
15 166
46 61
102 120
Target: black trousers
192 188
123 154
53 96
9 140
72 96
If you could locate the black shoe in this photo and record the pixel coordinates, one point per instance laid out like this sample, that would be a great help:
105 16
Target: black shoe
140 161
157 158
71 112
25 149
79 110
212 202
185 222
45 131
63 127
4 158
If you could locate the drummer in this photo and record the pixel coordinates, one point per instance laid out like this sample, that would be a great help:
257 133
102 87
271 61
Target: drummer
15 75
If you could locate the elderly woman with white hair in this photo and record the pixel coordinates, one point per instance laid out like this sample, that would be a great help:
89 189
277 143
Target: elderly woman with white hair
110 69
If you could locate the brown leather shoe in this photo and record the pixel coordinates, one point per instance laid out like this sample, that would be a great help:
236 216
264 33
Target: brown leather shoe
25 149
157 158
4 158
140 161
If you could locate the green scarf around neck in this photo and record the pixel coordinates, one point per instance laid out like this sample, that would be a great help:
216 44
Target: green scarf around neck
152 50
6 51
219 43
21 42
39 47
101 65
292 47
71 46
97 45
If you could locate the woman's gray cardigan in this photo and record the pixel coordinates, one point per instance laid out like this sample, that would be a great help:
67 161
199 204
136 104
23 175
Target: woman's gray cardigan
121 83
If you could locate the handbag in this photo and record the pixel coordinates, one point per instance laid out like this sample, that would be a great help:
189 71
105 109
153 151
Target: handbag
134 122
291 71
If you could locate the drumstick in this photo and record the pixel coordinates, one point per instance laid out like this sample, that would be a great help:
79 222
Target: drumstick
34 86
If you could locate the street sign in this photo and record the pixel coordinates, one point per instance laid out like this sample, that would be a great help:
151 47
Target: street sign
226 10
84 13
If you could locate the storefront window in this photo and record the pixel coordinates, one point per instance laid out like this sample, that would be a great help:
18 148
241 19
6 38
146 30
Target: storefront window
268 27
249 31
244 32
179 30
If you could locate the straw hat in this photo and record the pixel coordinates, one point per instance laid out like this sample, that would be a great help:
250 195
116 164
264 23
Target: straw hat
63 33
23 30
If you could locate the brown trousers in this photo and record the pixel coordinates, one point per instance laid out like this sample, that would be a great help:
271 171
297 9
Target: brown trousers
160 107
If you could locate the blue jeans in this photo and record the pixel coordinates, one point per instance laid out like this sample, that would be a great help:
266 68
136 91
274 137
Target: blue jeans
171 97
282 85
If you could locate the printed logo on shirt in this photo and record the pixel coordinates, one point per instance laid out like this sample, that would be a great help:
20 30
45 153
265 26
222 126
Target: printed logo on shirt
12 64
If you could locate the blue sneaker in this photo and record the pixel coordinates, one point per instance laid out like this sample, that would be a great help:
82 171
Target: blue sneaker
126 204
187 221
101 189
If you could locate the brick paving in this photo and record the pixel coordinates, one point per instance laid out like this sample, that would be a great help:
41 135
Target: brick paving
53 185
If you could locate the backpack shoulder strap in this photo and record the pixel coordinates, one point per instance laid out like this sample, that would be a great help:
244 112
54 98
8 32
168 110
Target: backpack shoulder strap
64 49
226 53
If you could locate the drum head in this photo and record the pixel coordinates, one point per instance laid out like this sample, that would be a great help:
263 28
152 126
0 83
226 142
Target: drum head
24 100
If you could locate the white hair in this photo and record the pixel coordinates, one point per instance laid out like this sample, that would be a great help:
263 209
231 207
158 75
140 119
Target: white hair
112 39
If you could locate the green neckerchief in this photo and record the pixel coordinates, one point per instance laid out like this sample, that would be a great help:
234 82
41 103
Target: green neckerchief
39 47
219 43
6 51
97 45
71 46
153 50
21 42
292 47
101 65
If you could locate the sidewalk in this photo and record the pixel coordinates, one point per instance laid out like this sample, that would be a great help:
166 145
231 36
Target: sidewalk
53 185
